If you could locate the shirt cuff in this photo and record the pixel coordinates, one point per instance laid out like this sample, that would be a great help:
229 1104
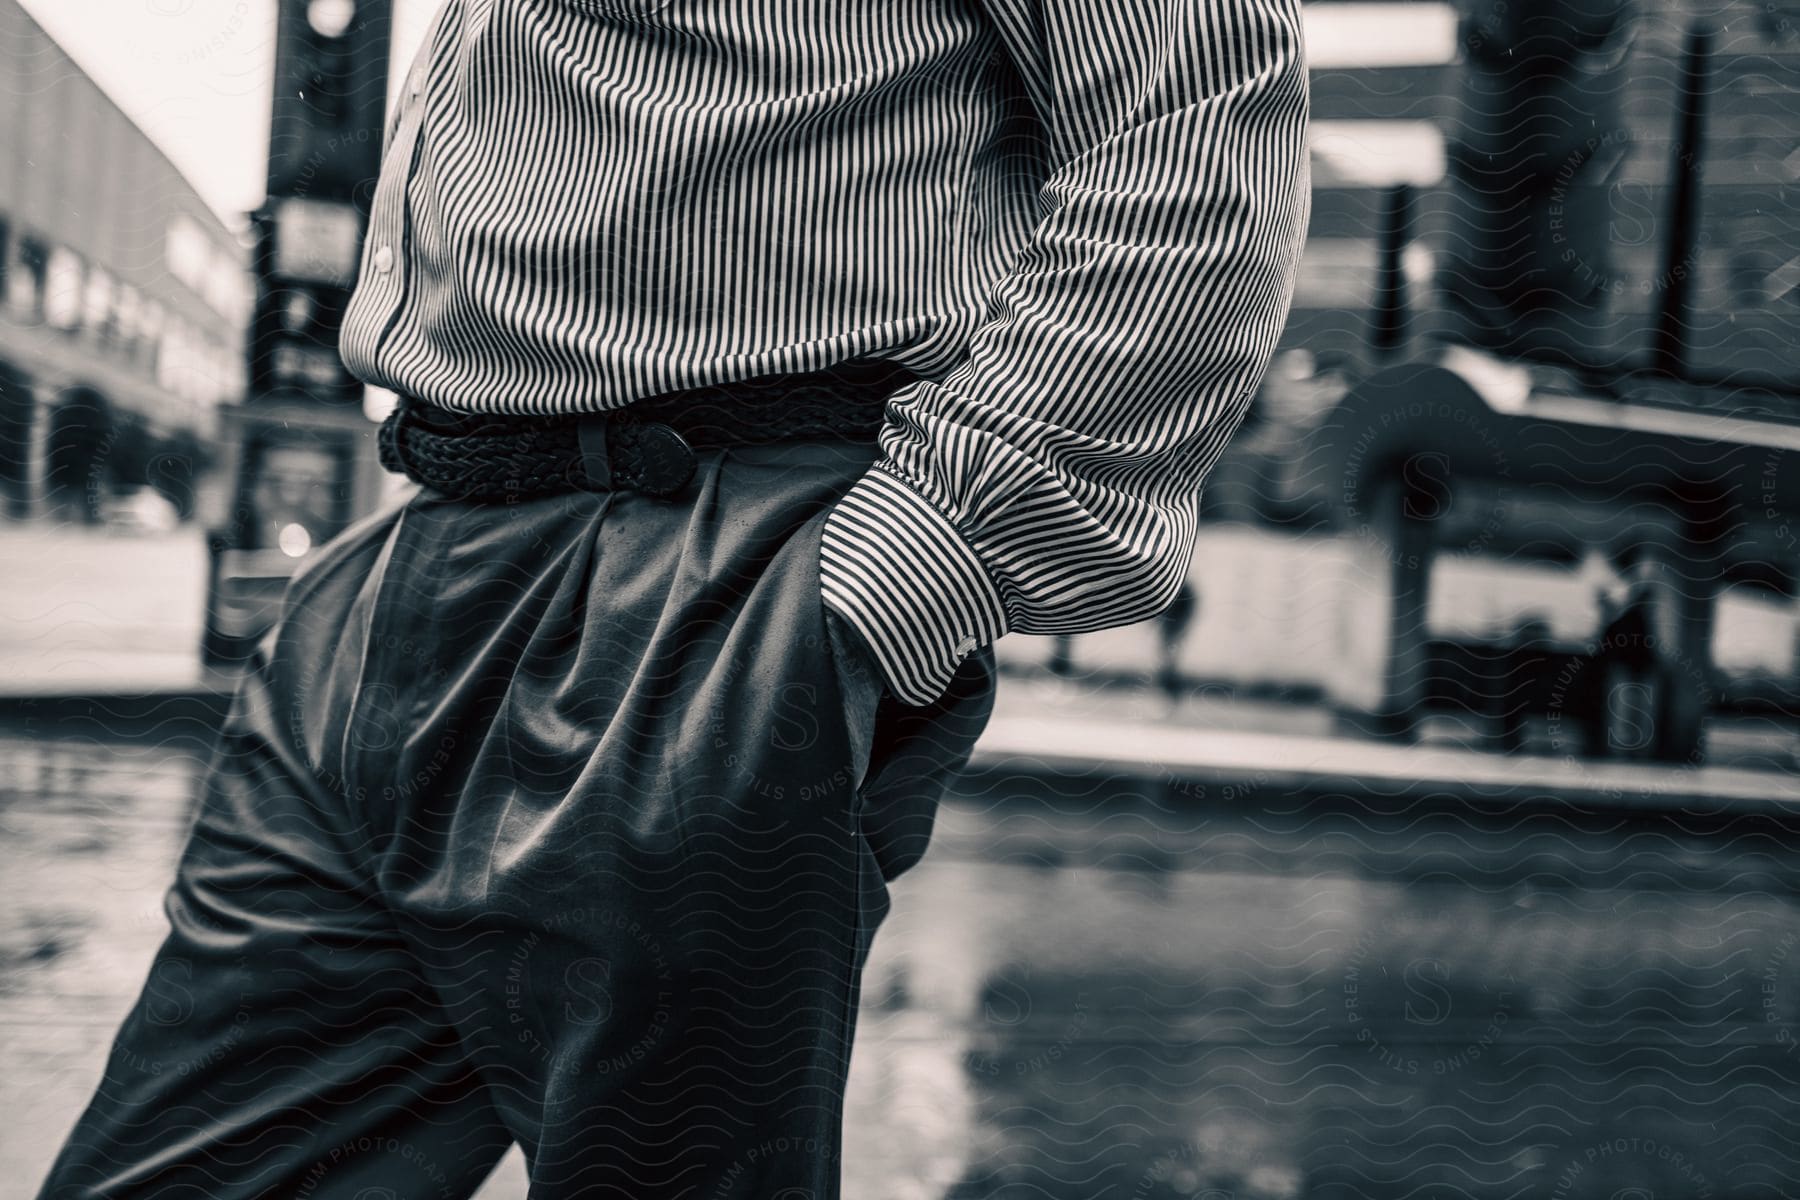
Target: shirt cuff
899 571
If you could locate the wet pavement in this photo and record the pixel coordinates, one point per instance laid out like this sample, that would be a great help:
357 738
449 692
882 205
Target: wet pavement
1098 989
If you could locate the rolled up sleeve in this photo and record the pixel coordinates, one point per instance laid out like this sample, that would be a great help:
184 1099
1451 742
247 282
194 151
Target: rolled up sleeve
1051 482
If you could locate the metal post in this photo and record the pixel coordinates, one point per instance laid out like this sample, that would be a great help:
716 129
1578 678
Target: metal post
1387 332
1669 351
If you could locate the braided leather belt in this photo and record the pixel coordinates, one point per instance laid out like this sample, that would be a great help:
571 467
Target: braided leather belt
647 446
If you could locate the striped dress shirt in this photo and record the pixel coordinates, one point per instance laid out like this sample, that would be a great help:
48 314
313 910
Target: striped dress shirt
1077 220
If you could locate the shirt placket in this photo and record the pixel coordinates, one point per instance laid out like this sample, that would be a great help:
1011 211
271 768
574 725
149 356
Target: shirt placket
382 279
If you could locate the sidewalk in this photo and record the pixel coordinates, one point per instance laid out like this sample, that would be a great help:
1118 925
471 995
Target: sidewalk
94 612
104 628
1121 734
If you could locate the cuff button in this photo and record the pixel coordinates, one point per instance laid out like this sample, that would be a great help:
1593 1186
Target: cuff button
965 647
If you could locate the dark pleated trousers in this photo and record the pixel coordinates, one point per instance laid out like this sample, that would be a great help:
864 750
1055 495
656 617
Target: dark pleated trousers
560 822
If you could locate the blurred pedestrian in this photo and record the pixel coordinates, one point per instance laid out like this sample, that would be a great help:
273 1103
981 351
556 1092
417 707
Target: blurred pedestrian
1172 626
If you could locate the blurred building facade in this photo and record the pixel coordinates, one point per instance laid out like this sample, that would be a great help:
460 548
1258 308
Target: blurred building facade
124 299
1519 577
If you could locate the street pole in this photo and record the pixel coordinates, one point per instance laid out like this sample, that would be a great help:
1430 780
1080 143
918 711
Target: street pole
299 451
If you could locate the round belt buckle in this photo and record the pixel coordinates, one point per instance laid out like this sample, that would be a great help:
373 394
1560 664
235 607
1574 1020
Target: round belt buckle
666 462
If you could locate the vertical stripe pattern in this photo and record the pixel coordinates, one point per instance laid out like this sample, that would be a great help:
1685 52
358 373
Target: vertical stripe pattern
1079 221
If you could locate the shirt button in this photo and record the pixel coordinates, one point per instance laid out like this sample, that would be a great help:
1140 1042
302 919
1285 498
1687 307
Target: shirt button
384 259
965 647
415 84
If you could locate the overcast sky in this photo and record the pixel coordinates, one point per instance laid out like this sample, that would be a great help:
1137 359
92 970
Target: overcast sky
195 76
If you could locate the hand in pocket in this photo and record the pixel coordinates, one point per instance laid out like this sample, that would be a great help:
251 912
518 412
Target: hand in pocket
860 681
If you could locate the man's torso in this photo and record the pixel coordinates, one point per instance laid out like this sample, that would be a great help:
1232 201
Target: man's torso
585 201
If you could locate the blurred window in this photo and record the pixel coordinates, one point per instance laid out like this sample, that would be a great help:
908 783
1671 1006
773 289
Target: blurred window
214 274
63 278
97 304
194 366
221 374
128 308
151 319
173 359
25 283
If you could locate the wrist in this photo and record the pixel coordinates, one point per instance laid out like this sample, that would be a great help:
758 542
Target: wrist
901 573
